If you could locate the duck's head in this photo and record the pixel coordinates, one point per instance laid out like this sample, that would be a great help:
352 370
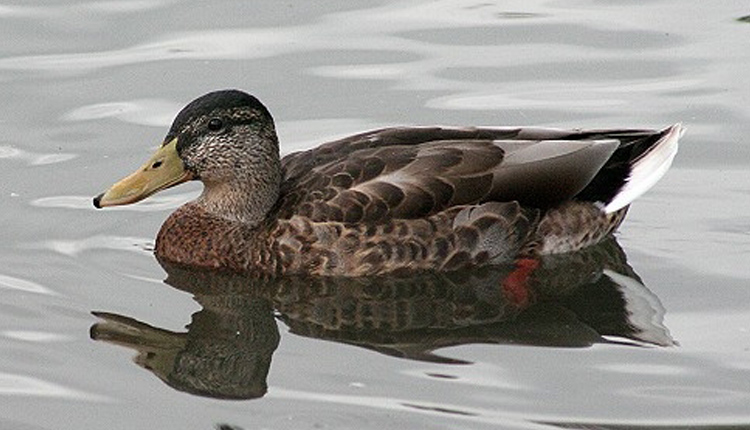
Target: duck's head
226 139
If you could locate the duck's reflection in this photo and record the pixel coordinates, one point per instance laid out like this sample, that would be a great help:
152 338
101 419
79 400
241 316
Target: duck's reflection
568 300
226 352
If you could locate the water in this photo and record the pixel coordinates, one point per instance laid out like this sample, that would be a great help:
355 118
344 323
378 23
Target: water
89 89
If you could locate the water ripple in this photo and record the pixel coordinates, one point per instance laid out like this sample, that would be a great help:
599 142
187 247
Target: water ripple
13 283
425 29
699 396
472 414
592 96
56 12
439 409
36 336
18 385
724 252
154 112
73 248
34 158
319 130
128 6
153 204
198 45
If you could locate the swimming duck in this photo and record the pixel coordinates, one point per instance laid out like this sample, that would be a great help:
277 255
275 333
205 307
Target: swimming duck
389 201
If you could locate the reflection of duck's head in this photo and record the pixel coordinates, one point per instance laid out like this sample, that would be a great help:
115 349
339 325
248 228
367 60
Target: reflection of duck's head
225 354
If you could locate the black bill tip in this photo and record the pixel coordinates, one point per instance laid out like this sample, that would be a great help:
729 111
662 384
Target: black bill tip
97 201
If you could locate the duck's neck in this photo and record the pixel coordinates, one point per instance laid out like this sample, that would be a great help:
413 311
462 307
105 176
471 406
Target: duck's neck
246 199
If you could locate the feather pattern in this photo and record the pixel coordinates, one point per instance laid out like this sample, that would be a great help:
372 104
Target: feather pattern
377 176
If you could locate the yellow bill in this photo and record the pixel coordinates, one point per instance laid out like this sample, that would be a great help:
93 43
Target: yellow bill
163 170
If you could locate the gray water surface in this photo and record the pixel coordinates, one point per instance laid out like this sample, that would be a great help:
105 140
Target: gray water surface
89 89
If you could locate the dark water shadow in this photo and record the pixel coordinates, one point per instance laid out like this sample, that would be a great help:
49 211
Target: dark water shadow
572 300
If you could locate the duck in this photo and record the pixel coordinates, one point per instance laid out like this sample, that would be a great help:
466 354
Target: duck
392 201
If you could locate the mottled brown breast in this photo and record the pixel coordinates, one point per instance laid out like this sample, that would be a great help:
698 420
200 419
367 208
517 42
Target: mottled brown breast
192 237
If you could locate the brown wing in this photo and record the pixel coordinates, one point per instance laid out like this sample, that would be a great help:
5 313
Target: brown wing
414 172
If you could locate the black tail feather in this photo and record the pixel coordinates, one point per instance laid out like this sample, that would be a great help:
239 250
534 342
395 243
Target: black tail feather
616 171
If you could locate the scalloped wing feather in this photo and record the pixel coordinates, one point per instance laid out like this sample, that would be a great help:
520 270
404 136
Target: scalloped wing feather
408 173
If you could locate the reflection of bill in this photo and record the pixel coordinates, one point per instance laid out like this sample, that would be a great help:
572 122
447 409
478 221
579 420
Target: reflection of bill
572 300
226 353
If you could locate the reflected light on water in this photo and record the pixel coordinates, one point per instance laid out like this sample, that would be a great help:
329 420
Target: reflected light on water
19 385
73 248
143 111
219 44
57 12
699 396
127 6
646 369
154 204
34 158
724 252
319 130
471 414
18 284
479 375
35 336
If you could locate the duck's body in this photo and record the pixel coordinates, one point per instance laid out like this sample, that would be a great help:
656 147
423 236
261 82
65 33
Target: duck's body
391 200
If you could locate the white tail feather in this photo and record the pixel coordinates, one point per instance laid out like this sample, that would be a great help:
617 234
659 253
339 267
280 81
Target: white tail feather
648 170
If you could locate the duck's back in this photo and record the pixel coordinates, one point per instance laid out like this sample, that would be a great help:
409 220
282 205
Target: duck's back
413 172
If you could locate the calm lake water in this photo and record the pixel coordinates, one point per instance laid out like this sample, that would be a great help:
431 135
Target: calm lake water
653 331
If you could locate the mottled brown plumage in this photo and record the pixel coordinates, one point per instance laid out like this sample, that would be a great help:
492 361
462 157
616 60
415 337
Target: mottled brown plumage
395 200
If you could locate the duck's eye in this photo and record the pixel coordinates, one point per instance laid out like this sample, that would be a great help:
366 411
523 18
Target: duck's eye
215 124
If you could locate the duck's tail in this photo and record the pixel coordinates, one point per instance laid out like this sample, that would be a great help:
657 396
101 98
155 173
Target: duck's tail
639 162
